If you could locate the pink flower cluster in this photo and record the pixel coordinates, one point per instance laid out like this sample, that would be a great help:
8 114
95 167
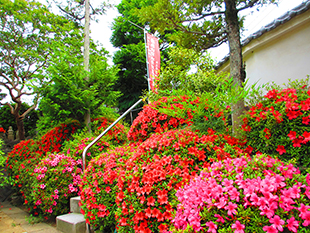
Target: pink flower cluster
226 186
58 176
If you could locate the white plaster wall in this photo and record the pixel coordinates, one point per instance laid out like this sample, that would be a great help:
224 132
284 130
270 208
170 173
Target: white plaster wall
287 57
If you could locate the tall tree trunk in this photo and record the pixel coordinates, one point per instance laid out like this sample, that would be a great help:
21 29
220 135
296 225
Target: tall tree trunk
19 121
20 126
86 55
235 52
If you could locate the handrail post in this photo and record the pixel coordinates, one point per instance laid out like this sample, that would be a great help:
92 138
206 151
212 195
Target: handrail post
104 132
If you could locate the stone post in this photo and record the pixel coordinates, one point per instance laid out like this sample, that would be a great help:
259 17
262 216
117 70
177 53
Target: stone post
10 134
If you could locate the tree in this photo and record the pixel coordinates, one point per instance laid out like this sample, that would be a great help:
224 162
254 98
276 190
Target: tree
202 25
77 11
130 58
28 35
189 70
30 120
70 95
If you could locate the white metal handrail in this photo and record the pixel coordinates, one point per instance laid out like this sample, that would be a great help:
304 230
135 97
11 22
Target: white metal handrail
104 132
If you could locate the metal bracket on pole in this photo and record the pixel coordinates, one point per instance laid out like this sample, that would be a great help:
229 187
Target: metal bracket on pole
104 132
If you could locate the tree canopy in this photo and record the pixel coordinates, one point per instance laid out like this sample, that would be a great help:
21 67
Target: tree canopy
130 58
28 35
70 95
204 24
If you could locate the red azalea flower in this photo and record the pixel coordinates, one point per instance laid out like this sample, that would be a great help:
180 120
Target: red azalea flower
268 134
281 149
306 120
292 135
151 201
306 136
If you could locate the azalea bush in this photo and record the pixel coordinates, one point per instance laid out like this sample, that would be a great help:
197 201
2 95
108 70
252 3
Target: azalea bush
99 187
179 112
53 140
280 125
24 157
30 152
150 120
115 137
159 166
240 195
21 152
57 179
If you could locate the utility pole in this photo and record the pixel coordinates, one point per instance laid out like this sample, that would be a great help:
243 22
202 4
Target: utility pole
86 56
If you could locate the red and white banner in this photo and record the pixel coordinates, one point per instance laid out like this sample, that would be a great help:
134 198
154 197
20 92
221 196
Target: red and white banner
153 57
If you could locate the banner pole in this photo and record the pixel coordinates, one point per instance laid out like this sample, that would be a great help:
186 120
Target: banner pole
145 45
147 62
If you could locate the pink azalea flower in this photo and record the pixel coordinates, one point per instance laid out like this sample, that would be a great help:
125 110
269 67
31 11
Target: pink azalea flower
306 217
219 218
231 208
270 229
277 222
238 226
212 227
234 194
303 210
221 203
292 225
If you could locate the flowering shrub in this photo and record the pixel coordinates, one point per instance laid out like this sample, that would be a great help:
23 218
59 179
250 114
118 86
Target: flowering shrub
280 125
117 135
24 157
57 179
2 130
21 152
245 195
114 137
175 112
98 187
159 166
53 140
150 120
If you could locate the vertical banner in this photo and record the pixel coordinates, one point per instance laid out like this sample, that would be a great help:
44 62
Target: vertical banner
153 60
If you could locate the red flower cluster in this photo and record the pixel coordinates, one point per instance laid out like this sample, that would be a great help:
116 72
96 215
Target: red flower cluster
98 187
174 112
143 181
150 120
280 125
52 141
2 130
116 134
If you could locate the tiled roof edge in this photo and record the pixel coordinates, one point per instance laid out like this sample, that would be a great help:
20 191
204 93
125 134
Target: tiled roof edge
303 7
